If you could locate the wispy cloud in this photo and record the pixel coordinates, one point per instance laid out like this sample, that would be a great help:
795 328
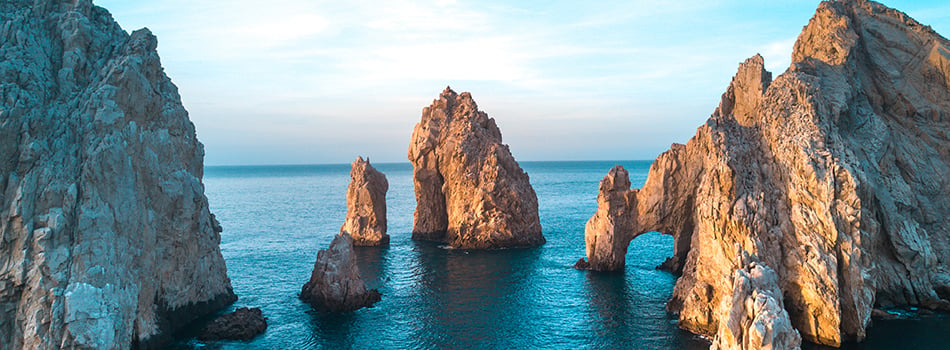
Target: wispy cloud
280 74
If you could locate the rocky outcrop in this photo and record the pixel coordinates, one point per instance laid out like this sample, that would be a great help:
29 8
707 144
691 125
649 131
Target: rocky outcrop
242 324
754 317
106 239
832 174
470 191
335 283
608 233
366 205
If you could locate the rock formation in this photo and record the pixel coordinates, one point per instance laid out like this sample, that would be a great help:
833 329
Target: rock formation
754 317
106 239
608 233
470 191
242 324
833 175
335 283
366 205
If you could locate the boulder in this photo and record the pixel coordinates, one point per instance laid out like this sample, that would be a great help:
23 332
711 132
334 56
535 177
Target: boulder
335 284
242 324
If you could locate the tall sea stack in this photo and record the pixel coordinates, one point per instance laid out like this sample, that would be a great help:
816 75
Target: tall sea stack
833 175
366 205
106 239
470 191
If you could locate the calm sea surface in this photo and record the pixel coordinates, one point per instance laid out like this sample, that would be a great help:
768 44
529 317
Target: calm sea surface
275 218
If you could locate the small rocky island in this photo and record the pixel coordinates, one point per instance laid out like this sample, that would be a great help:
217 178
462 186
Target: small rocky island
470 191
366 205
833 176
335 284
107 239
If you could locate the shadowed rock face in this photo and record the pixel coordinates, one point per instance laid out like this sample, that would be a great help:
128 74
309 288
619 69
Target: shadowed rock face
242 324
833 175
335 283
366 205
106 239
470 191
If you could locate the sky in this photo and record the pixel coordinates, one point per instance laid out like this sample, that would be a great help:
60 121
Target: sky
312 82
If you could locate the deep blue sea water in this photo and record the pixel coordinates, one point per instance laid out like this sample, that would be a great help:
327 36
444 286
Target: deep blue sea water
275 218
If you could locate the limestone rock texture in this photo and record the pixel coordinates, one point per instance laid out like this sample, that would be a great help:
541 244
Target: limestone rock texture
335 283
754 317
608 233
106 239
470 191
366 205
833 175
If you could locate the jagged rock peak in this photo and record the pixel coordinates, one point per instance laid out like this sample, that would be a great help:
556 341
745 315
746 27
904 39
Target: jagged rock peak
470 191
746 91
108 239
832 175
335 284
366 205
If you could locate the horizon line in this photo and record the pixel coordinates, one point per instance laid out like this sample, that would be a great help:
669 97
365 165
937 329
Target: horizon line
407 162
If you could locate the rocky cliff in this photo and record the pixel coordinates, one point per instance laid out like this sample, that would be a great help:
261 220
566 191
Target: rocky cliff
366 205
833 175
106 240
335 284
470 191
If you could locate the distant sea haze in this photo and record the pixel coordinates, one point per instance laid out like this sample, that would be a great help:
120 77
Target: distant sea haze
275 218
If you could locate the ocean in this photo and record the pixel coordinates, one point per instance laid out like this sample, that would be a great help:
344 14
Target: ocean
276 218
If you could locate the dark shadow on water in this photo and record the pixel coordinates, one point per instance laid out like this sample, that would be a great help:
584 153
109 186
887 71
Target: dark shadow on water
471 298
931 332
373 265
334 330
609 307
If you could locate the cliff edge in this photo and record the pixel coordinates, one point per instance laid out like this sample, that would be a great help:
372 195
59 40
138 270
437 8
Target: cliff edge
106 239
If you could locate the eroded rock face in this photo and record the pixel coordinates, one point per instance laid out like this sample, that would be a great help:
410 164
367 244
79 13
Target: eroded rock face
608 233
754 317
242 324
366 205
833 175
106 240
470 191
335 283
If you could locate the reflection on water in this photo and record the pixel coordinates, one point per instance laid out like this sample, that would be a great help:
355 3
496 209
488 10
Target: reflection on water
276 218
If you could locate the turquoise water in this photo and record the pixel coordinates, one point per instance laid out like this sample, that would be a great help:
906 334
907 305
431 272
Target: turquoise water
275 218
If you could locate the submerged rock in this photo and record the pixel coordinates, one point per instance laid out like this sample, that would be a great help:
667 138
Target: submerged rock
335 283
242 324
470 191
832 174
366 205
106 239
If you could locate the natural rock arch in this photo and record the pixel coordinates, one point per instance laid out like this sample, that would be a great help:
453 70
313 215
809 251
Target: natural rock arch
831 176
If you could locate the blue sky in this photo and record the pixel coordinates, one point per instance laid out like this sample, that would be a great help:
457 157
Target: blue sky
304 81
